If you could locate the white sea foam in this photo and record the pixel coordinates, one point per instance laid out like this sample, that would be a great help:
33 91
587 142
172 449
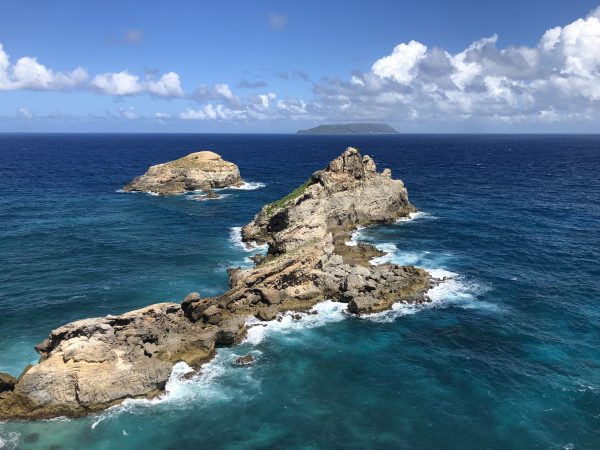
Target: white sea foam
179 389
235 236
203 198
451 288
355 237
319 315
416 216
249 186
9 441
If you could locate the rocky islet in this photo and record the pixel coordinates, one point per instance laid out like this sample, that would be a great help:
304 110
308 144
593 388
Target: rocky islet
92 364
203 170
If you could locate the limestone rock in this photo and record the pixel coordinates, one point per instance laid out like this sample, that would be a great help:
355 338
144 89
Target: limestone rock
197 171
94 363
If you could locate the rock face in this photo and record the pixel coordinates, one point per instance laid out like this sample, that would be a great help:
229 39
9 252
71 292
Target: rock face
196 171
91 364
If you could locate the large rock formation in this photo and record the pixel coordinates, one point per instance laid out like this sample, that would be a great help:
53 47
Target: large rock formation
91 364
196 171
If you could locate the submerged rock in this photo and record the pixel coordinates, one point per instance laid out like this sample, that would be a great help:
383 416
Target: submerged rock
244 360
197 171
211 195
92 364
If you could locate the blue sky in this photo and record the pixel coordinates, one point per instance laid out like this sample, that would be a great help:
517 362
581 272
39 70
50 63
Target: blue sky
277 66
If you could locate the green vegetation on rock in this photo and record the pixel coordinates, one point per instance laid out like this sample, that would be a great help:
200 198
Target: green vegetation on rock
288 199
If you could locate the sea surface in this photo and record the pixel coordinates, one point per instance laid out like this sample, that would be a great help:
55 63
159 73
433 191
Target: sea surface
507 356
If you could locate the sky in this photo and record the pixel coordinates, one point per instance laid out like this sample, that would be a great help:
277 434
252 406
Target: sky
276 66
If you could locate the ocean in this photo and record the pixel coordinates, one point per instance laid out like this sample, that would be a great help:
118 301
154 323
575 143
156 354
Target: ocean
507 355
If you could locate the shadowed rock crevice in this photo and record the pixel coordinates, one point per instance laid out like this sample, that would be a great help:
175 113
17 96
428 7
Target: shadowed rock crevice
92 364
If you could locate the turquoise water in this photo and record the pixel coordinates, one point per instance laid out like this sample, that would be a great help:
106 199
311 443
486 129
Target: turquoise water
507 355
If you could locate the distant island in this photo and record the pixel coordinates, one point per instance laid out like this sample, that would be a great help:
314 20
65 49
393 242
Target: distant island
350 128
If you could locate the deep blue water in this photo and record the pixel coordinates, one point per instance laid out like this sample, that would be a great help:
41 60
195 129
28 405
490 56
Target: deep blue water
507 356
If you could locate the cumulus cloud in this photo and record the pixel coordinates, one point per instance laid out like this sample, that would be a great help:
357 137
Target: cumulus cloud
212 112
558 78
28 73
218 92
123 83
400 65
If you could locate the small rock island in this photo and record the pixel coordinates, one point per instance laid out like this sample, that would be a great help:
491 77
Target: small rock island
197 171
92 364
351 128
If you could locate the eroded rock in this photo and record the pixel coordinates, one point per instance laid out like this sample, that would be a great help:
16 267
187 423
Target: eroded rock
197 171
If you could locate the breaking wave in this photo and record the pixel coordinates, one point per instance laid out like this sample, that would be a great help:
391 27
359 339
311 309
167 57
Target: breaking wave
291 321
249 186
235 236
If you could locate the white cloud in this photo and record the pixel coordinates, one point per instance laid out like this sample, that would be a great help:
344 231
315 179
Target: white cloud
400 65
123 83
169 85
265 99
162 116
24 113
557 79
128 113
219 92
224 91
28 73
211 112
